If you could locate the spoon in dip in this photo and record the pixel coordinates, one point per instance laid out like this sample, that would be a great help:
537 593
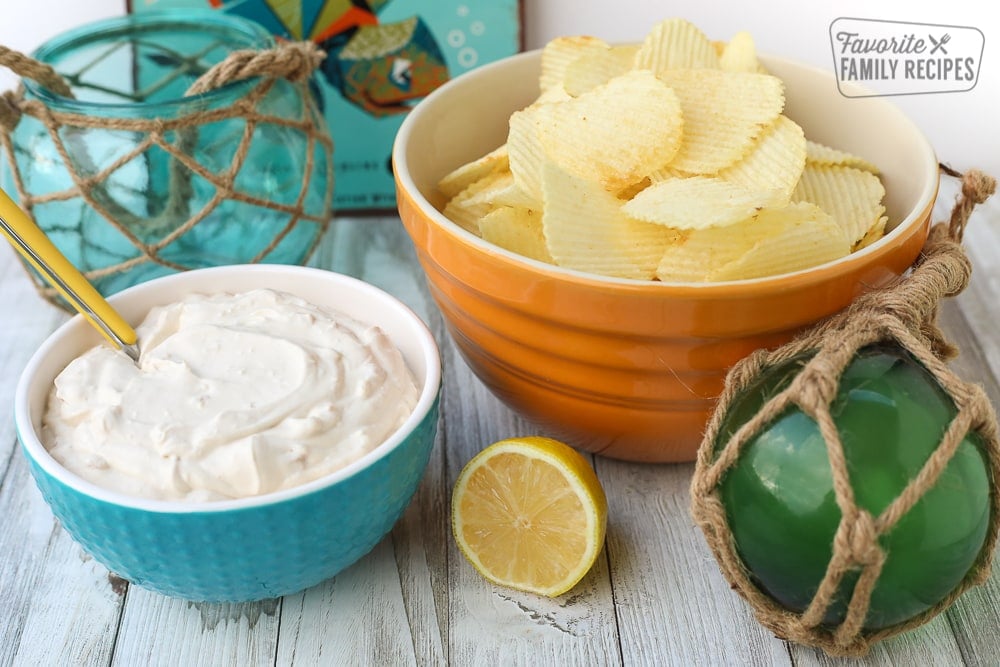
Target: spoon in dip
59 272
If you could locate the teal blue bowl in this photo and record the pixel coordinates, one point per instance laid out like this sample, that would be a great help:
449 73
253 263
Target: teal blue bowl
253 548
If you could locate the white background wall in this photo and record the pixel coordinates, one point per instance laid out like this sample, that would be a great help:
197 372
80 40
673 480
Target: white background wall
964 127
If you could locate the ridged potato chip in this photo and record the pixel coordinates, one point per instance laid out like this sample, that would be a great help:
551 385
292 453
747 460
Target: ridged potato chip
586 230
852 196
596 67
774 163
558 53
557 94
667 160
773 241
512 195
526 155
666 174
614 134
467 174
817 153
724 112
467 207
675 44
696 254
794 237
740 54
876 232
516 229
632 190
697 202
488 189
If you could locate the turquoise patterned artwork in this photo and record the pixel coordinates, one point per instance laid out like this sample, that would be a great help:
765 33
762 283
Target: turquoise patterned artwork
383 56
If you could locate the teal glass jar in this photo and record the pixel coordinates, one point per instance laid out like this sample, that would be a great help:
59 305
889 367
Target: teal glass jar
133 177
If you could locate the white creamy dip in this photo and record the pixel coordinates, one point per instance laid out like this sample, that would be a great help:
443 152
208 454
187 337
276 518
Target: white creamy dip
233 396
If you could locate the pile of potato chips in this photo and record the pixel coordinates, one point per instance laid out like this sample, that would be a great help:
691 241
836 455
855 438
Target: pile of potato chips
669 160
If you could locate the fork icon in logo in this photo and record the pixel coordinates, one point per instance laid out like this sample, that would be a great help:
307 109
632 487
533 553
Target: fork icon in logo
939 43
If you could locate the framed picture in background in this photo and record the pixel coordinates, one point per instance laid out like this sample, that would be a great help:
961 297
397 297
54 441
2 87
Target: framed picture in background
383 56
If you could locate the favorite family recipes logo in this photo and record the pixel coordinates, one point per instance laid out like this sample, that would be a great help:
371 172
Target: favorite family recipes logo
873 57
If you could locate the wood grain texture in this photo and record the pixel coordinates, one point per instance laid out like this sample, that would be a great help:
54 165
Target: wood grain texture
490 625
420 538
58 605
357 617
156 630
932 645
25 320
670 597
655 597
975 618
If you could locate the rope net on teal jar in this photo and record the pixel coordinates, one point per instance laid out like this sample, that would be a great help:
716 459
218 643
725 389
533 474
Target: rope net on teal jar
832 612
148 237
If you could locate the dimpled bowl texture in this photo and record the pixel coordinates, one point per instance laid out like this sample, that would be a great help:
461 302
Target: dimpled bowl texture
253 548
626 368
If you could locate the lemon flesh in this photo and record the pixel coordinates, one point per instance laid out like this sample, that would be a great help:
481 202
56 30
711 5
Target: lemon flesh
530 513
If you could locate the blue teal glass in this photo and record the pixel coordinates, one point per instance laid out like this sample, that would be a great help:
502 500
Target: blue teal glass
139 67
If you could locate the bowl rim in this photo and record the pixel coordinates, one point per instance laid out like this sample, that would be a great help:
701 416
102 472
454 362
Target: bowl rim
429 393
802 278
158 18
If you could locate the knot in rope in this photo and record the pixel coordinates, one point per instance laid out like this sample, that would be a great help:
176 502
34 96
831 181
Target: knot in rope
294 61
857 539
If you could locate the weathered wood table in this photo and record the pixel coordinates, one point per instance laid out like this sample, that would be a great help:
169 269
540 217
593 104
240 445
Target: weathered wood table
655 596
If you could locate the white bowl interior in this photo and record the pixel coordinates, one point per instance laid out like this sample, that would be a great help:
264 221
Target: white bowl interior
468 117
350 296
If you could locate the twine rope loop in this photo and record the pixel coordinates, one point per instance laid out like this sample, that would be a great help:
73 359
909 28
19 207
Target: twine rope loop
294 61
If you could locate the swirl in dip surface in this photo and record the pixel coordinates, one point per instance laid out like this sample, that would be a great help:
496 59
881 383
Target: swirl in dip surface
235 395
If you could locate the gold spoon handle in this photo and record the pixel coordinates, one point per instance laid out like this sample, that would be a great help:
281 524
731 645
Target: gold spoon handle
59 272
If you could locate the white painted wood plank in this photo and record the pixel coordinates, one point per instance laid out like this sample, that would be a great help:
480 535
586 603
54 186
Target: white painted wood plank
59 606
975 617
932 645
975 620
420 546
380 610
423 603
673 604
357 617
25 321
389 263
378 251
420 537
981 300
491 625
385 608
157 630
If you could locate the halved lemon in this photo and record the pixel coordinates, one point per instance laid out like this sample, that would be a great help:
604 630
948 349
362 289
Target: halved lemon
530 513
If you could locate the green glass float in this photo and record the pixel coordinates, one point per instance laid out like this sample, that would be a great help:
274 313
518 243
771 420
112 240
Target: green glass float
781 506
848 483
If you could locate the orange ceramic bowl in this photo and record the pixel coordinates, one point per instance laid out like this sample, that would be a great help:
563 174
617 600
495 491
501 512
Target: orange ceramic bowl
625 368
